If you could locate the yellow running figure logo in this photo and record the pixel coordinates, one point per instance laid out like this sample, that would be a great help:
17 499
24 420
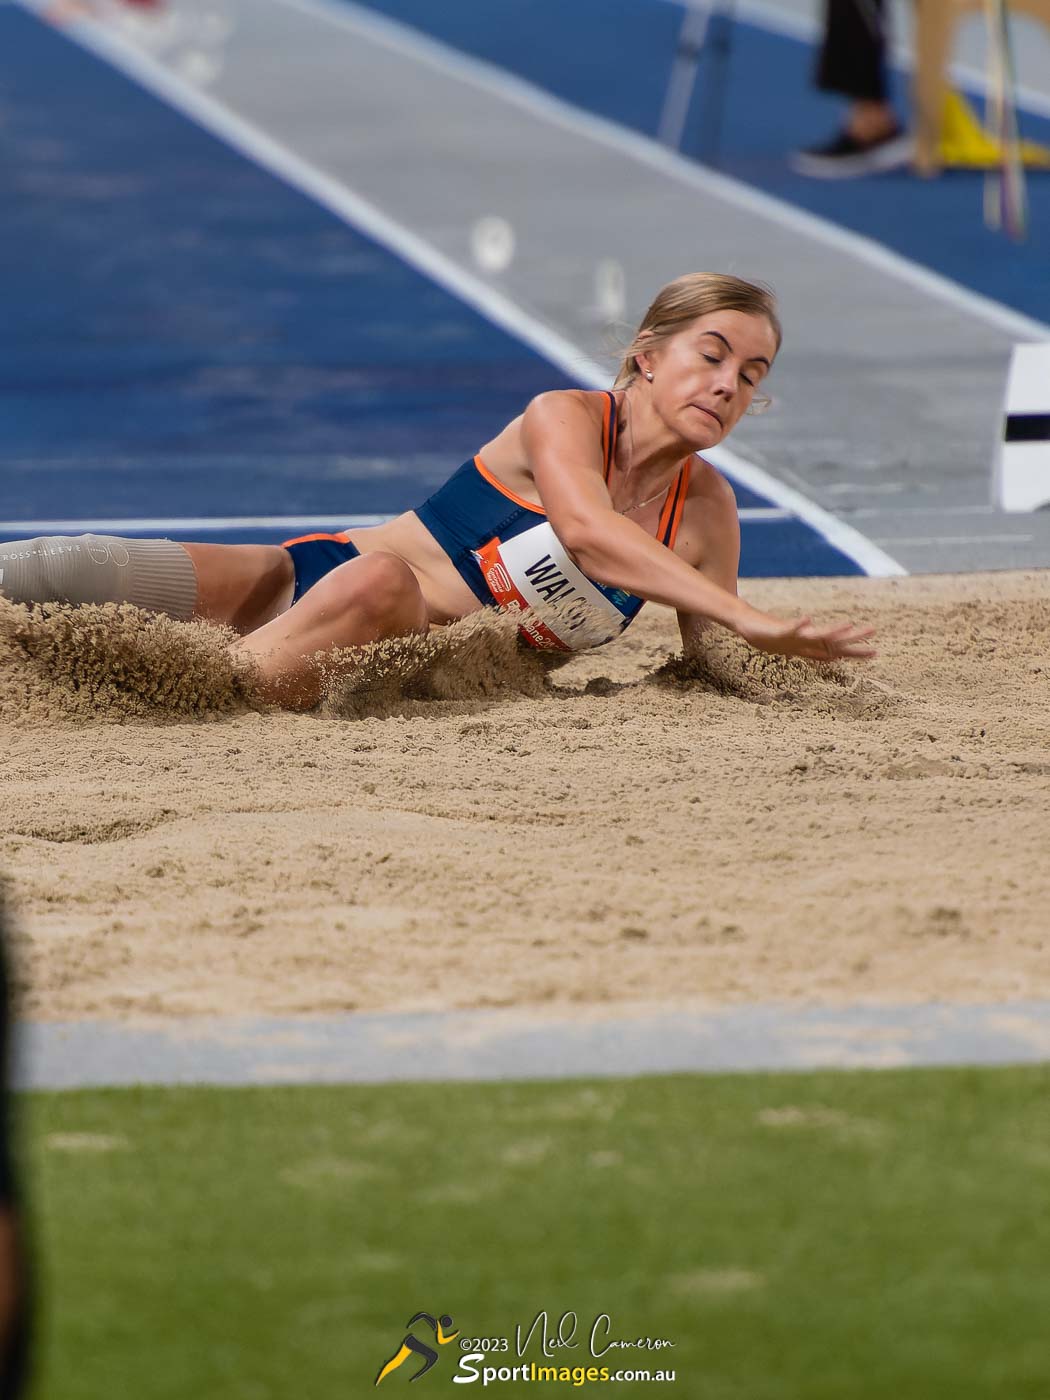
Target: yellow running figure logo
410 1345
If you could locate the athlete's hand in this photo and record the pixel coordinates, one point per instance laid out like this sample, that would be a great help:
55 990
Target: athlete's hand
801 638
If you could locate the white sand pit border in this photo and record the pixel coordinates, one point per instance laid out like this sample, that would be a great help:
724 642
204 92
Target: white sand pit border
505 1045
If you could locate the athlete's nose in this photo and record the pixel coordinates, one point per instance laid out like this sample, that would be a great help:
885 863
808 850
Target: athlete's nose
725 383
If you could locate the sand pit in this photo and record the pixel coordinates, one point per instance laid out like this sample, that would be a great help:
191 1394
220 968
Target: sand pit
622 831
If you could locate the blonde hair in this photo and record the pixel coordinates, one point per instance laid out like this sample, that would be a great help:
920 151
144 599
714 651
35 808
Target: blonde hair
686 298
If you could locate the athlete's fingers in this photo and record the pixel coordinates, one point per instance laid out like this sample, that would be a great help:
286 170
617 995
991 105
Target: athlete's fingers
837 643
853 648
852 642
844 635
841 631
801 638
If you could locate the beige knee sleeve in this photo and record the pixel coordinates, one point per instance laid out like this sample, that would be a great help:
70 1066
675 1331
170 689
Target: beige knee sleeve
154 574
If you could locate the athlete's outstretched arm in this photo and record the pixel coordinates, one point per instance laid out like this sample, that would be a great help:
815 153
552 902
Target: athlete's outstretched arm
558 431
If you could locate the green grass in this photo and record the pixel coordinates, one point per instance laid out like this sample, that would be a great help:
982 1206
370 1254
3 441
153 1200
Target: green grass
806 1236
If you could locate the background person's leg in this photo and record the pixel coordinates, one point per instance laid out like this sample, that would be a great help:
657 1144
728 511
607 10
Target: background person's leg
852 57
852 61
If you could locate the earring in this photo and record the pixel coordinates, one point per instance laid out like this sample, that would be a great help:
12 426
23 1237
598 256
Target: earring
649 375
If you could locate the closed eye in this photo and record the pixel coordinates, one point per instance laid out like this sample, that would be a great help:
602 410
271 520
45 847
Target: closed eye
714 360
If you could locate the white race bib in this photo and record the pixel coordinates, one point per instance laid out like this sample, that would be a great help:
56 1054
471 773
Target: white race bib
563 610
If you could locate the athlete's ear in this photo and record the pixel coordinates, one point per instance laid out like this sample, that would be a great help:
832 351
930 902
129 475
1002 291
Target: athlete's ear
644 360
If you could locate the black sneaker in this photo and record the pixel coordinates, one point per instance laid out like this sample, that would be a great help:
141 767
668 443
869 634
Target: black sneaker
845 158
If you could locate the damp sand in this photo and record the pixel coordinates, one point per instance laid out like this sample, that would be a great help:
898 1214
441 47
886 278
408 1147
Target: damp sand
456 826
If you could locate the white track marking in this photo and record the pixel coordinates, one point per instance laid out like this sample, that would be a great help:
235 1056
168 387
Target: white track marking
874 511
760 515
499 83
198 522
914 541
870 556
278 159
752 515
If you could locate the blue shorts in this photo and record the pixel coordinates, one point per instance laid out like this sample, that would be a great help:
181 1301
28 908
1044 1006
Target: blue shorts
313 556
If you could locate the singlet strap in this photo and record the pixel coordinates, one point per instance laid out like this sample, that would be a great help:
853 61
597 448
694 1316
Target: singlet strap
609 426
674 504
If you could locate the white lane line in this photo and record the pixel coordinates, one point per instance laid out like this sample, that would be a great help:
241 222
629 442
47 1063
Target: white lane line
869 512
867 553
752 515
958 539
215 117
761 515
195 522
498 83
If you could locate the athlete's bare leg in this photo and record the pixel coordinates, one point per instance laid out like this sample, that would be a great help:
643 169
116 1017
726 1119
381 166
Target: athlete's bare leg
365 599
245 585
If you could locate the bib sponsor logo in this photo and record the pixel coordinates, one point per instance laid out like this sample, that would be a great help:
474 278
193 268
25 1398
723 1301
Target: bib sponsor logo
497 578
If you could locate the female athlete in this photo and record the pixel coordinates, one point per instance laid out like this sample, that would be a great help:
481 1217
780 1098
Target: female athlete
582 508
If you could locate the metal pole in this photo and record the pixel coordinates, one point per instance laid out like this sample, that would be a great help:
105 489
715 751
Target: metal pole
682 79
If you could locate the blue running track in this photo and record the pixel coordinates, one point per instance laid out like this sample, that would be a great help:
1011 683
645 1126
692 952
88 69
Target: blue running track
185 336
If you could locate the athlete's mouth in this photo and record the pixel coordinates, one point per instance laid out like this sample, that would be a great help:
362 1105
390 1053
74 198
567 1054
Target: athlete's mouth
704 409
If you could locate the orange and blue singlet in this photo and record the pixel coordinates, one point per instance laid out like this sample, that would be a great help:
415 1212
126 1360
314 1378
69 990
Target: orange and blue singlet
509 556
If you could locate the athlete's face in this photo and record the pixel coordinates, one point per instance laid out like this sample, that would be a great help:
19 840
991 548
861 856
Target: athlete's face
705 376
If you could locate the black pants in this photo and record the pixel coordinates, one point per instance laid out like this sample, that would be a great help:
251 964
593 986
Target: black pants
853 55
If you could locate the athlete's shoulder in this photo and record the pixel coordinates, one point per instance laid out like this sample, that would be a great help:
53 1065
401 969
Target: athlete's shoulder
707 483
593 401
566 420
